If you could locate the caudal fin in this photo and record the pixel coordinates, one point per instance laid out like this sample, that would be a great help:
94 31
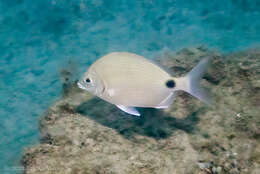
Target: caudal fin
191 82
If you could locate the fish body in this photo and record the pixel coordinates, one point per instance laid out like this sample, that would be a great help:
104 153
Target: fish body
129 80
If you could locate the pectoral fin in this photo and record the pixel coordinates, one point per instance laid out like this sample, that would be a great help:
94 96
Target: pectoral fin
129 110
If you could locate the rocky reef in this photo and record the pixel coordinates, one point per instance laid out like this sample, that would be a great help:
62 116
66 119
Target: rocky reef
82 134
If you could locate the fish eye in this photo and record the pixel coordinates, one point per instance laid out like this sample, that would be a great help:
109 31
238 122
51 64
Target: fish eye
170 84
88 80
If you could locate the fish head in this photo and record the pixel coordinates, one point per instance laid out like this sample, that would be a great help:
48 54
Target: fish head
91 83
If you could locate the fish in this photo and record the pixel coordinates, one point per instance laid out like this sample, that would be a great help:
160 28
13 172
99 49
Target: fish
128 80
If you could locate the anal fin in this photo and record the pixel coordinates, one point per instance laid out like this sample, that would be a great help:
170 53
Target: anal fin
167 101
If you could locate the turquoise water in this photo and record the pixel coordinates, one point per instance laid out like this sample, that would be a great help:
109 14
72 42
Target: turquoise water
38 38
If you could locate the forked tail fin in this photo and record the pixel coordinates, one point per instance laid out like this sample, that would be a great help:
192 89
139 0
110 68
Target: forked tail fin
191 82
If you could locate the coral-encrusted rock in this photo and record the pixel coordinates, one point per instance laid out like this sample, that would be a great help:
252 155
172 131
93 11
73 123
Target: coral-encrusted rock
83 134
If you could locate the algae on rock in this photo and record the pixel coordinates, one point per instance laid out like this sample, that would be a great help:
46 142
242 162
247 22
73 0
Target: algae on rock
83 134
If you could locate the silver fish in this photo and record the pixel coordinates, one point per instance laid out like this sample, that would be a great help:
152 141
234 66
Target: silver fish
128 80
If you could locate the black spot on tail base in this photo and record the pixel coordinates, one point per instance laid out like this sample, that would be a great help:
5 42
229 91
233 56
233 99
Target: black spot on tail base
170 84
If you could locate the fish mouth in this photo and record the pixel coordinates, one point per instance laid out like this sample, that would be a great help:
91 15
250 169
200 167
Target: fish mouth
81 86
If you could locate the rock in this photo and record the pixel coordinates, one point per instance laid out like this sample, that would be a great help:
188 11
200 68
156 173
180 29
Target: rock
217 170
204 166
83 134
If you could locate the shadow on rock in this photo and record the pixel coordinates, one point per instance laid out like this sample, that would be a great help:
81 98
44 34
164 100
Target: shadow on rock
152 123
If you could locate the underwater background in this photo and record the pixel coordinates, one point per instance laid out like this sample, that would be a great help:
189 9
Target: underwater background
38 38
